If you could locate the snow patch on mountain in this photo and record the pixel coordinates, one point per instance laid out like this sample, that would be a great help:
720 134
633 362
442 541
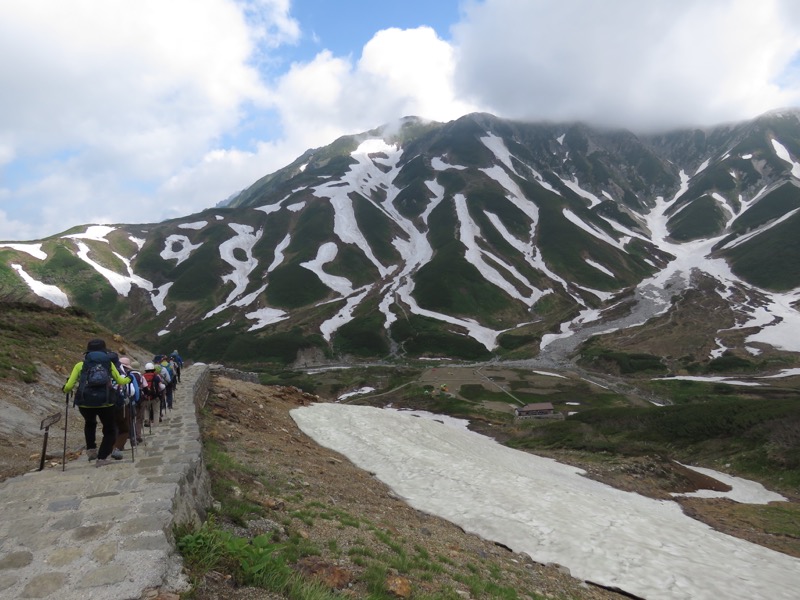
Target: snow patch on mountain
359 177
43 290
469 233
784 155
193 225
325 254
591 229
178 247
97 233
35 250
345 315
244 240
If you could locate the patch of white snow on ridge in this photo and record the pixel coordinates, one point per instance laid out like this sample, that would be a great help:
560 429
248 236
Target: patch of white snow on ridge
486 488
499 149
244 240
195 225
468 234
325 254
165 331
121 283
138 241
43 290
357 179
268 209
296 207
276 262
178 247
560 139
515 195
784 373
158 297
781 333
345 315
575 187
358 392
439 164
265 316
743 491
590 229
35 250
97 233
702 167
684 187
766 227
599 267
784 155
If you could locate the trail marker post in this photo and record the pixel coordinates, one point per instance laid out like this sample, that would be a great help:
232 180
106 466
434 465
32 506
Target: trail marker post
46 423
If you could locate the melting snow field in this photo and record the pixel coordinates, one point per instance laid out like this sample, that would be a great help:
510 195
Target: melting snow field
549 510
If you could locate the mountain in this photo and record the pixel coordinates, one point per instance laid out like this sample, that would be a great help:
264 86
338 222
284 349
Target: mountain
477 239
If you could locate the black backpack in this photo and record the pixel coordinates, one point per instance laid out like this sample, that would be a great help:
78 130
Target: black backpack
94 388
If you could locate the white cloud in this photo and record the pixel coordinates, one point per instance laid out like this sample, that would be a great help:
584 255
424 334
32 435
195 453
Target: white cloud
627 62
400 73
105 101
121 111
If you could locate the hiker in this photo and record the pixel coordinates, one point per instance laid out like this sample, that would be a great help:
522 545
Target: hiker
165 372
127 401
141 396
178 364
154 392
95 399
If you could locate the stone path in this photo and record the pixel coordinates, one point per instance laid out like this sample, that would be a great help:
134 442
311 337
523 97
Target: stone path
107 533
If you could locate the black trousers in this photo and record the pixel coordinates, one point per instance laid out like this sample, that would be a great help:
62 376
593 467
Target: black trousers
106 416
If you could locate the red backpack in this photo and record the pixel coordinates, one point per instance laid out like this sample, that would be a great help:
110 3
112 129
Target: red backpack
150 392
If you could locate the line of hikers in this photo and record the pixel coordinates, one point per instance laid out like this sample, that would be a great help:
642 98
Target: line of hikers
110 389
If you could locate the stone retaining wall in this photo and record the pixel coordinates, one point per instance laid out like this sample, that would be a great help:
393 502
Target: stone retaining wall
194 491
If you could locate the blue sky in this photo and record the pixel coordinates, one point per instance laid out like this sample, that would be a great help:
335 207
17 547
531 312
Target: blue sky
142 110
345 26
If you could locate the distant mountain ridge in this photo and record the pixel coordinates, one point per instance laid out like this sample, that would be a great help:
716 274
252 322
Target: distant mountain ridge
479 238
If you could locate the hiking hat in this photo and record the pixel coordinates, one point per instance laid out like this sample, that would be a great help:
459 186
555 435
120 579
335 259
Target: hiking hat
95 344
149 367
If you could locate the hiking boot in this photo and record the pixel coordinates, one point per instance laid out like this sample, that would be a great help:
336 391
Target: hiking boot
102 462
91 454
116 454
139 440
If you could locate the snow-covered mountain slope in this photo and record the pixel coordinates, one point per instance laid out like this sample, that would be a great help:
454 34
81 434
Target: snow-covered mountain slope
476 238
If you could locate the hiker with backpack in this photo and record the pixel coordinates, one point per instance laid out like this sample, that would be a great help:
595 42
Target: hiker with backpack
154 392
95 397
176 358
141 398
126 401
165 372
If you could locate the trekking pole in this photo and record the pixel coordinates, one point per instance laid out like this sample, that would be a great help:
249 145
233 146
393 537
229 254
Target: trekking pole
64 454
131 427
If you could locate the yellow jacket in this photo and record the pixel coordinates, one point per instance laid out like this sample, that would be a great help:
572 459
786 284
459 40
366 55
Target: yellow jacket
76 374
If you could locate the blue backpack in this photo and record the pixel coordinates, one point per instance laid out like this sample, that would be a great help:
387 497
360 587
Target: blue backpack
94 387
